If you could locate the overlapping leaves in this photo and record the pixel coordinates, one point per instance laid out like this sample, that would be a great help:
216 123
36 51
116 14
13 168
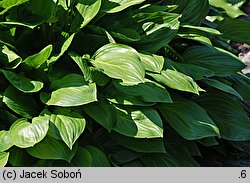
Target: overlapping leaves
118 82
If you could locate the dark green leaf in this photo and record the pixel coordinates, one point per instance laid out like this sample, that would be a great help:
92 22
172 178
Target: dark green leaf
20 158
194 11
228 114
22 83
191 124
22 104
102 112
8 4
194 71
50 148
235 29
155 145
221 62
9 58
82 158
241 84
99 159
221 86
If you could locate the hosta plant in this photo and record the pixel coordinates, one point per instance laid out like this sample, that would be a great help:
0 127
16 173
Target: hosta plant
119 82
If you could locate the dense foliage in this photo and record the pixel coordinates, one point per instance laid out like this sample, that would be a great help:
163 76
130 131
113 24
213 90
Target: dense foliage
120 82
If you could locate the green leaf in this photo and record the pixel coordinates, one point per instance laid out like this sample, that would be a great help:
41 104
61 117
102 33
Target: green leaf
208 141
221 86
221 62
91 74
86 11
5 140
149 91
64 48
9 58
155 145
228 114
50 148
114 6
20 158
82 158
116 59
4 156
102 112
36 60
24 134
125 35
117 97
6 116
123 99
233 10
70 125
235 30
43 9
180 154
177 80
122 156
196 37
8 4
22 104
194 11
88 156
99 159
241 84
158 160
71 90
191 124
139 123
152 62
82 64
159 28
98 77
177 156
191 28
22 83
194 71
30 25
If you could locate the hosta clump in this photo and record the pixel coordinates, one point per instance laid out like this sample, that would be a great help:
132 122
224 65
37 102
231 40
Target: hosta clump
120 83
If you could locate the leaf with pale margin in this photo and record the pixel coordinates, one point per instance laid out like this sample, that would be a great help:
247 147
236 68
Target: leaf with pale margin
22 83
70 125
177 80
24 134
116 59
5 141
